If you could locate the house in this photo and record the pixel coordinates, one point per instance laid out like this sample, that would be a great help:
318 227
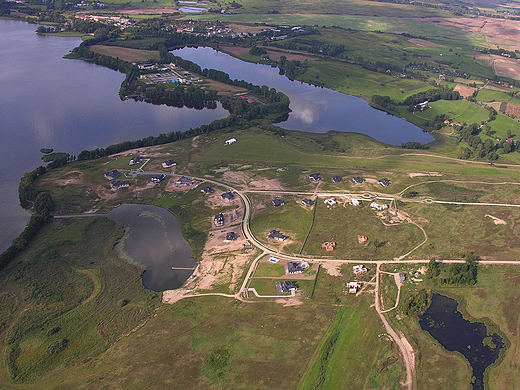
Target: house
402 277
296 268
231 141
231 236
358 180
329 246
169 164
359 269
247 245
184 181
330 202
158 179
277 235
352 287
355 202
384 182
315 176
277 202
229 196
307 202
206 190
362 239
219 219
336 179
285 287
112 175
115 185
135 160
378 206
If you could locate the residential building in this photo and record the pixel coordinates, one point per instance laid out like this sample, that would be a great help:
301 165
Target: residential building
359 269
112 175
158 179
135 160
355 202
229 196
330 202
277 235
115 185
378 206
184 181
384 182
231 141
169 164
231 236
296 268
307 202
315 176
285 287
206 190
358 180
336 179
277 202
219 219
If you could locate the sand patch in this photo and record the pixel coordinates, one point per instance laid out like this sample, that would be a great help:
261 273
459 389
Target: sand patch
332 267
497 220
266 184
510 109
506 67
72 177
418 174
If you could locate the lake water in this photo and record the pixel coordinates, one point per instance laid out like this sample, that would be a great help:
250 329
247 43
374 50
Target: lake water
314 109
454 333
153 240
68 105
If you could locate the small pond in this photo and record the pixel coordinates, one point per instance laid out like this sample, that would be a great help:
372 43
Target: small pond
153 241
446 325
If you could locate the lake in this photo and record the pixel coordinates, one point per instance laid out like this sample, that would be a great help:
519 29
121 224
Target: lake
153 240
68 105
314 109
447 325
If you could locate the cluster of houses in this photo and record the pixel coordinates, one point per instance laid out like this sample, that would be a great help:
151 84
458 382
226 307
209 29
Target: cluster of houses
450 123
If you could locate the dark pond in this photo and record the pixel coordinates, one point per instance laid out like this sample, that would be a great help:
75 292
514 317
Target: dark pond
68 105
153 240
454 333
314 109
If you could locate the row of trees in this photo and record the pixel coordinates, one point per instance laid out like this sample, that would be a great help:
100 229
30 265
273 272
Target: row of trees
432 95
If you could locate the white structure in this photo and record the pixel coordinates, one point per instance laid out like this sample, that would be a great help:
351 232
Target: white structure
231 141
378 206
330 202
359 269
352 287
355 202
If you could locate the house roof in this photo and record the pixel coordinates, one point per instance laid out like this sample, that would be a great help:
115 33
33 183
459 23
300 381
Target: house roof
112 174
219 219
184 180
169 163
278 202
277 235
158 179
206 190
384 182
358 179
228 195
231 236
135 160
336 179
315 176
307 202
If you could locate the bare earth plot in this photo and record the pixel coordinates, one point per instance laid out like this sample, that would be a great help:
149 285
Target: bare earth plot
423 43
127 54
465 90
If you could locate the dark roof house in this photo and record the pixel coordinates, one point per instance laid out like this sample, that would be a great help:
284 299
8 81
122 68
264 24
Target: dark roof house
115 185
231 236
135 160
358 180
206 190
158 179
169 164
315 176
112 174
384 182
276 235
285 287
296 268
307 202
219 219
184 181
277 202
336 179
228 196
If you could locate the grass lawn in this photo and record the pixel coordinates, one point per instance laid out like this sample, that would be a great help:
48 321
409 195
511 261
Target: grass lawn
269 270
457 110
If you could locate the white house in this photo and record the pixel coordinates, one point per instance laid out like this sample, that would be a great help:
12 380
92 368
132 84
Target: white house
231 141
330 202
355 202
378 206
